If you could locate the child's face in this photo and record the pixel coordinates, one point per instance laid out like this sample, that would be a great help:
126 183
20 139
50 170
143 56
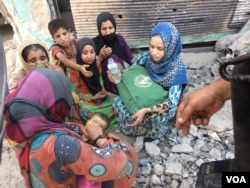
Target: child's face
97 120
156 48
107 28
88 54
62 37
37 57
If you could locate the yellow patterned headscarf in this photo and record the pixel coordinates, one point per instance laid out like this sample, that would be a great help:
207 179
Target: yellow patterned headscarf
28 67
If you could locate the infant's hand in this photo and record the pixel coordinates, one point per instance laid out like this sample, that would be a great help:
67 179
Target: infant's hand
85 138
93 131
114 137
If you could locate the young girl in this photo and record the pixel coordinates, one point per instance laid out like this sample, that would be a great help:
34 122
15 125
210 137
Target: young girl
86 54
92 97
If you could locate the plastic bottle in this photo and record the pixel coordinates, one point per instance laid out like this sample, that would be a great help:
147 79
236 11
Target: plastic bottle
114 70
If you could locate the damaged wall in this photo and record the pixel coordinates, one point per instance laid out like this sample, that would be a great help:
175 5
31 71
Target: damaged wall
197 21
28 18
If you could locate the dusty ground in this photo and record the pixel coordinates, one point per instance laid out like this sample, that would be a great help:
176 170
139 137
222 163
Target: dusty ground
9 174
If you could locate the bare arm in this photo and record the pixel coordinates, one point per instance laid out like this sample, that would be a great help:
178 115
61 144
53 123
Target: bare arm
71 64
221 89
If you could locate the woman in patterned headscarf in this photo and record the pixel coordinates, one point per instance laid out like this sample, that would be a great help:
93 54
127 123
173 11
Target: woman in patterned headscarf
33 53
165 66
48 152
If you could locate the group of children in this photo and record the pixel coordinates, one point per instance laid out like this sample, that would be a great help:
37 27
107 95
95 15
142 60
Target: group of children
81 58
84 61
95 97
76 156
77 60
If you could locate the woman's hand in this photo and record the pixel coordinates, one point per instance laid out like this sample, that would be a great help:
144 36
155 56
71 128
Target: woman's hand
109 74
137 118
110 77
105 52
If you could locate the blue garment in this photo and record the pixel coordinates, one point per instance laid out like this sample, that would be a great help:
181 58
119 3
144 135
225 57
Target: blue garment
170 70
170 73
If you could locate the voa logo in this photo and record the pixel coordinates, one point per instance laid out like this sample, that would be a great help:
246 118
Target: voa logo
236 179
143 81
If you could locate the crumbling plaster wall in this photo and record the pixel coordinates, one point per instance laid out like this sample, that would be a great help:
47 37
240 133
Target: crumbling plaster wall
28 18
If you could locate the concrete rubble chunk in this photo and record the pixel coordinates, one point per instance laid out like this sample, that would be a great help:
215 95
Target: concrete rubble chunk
182 148
152 150
173 169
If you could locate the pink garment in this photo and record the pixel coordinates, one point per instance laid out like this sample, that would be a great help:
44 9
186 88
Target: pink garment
84 183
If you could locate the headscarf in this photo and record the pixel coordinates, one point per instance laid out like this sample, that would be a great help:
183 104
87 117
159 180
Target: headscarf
102 17
81 43
93 81
110 40
28 67
170 70
40 103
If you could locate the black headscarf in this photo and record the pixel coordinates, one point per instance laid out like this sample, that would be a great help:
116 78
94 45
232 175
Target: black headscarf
102 17
93 82
110 40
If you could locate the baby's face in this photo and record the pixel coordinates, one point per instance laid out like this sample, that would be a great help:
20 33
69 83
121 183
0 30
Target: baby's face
97 120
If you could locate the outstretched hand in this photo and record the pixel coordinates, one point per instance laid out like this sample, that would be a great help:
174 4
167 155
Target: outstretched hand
197 107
